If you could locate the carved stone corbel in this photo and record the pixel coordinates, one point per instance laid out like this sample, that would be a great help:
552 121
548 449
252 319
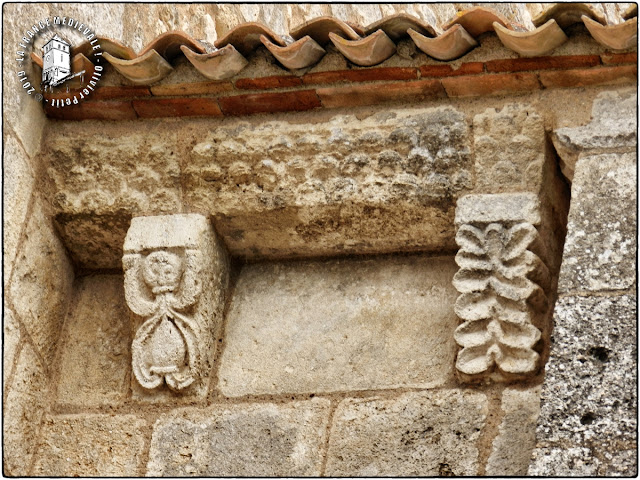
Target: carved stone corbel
175 275
503 286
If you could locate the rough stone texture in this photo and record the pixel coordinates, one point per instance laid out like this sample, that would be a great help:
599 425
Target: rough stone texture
241 440
274 188
17 189
340 325
502 208
509 147
41 284
589 397
599 251
416 434
10 342
613 124
176 274
91 445
22 413
512 448
95 359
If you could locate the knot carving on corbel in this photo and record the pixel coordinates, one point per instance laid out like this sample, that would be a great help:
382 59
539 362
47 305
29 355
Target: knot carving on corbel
175 278
162 286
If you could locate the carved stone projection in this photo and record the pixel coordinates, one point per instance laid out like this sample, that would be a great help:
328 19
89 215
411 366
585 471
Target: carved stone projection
502 283
175 274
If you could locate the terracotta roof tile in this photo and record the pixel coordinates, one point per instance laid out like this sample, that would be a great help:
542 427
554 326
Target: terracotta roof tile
362 46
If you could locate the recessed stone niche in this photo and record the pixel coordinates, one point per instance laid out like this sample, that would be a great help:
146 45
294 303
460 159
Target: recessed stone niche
329 278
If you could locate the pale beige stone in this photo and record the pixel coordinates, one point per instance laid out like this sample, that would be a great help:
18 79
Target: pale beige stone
512 448
613 125
94 365
175 279
18 188
415 434
22 413
41 284
10 342
91 445
340 325
241 440
501 208
509 147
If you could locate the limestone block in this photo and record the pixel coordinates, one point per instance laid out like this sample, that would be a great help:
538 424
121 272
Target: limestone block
340 325
252 440
386 182
503 287
23 409
512 448
564 462
415 434
589 395
112 177
509 147
614 124
91 445
599 250
94 365
18 187
10 342
41 284
175 279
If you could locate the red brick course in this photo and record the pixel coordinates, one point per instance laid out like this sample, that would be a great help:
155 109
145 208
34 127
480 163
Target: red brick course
200 88
542 63
269 102
619 58
177 107
492 84
370 94
448 71
361 75
591 76
266 83
96 110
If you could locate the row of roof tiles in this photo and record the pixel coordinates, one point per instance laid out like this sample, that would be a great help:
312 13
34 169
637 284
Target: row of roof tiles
362 46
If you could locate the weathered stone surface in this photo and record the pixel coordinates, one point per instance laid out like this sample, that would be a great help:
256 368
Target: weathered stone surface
340 325
512 448
137 173
599 250
241 440
613 124
416 434
387 179
564 462
91 445
94 365
175 280
509 147
589 395
502 208
41 284
502 284
17 190
22 413
10 341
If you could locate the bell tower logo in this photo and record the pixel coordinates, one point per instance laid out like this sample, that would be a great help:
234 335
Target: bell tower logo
56 61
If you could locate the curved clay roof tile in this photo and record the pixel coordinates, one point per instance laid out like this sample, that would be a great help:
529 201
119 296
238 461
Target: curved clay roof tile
616 37
453 43
319 29
143 70
168 44
218 65
478 20
540 41
246 37
396 26
368 51
566 14
300 54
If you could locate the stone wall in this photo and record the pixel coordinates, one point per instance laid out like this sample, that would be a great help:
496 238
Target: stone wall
322 366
